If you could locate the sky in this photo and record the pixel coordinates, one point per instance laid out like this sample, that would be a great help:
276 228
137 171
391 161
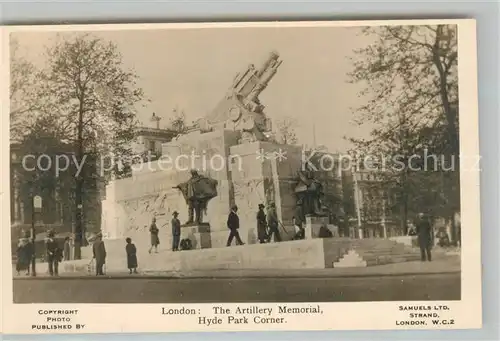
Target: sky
192 69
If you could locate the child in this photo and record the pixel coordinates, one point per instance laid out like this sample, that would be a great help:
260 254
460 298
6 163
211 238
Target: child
131 256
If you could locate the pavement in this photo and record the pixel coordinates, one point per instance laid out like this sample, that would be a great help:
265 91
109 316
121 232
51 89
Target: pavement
445 265
409 281
422 287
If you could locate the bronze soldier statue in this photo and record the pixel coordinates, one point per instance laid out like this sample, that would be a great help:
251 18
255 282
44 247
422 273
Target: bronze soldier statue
197 192
309 193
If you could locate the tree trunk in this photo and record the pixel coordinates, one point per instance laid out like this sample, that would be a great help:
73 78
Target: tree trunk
449 112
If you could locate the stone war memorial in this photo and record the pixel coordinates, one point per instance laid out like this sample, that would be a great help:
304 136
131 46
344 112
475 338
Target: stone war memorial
230 157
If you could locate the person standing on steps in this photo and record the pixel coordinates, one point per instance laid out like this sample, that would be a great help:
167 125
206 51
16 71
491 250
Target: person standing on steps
155 241
176 231
99 251
233 224
424 233
261 225
272 222
131 251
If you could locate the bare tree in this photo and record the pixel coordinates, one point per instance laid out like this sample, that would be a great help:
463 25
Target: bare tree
86 88
178 121
286 130
22 94
409 78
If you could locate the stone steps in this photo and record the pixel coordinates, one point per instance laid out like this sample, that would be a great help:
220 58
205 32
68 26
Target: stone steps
376 252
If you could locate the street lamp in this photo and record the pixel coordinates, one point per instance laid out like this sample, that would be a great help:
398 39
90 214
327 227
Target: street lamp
37 208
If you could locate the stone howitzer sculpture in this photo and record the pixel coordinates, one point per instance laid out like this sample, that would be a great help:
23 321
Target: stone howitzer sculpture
241 108
197 192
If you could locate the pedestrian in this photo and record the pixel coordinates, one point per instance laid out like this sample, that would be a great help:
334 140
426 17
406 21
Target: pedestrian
424 233
299 230
67 249
233 224
25 255
324 232
131 251
272 222
176 231
261 225
442 237
54 253
155 241
412 230
99 251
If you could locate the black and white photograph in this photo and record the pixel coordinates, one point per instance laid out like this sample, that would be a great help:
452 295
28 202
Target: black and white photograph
244 165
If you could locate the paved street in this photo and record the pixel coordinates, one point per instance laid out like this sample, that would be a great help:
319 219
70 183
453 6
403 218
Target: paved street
205 290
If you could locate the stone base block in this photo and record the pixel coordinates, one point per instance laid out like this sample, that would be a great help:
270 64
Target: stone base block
316 253
406 240
315 224
300 254
199 235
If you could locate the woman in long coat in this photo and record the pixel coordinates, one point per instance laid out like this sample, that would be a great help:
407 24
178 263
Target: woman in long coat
155 241
24 255
131 251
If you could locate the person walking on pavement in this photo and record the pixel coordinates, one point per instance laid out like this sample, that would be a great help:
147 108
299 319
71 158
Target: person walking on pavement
155 241
261 225
54 253
176 231
424 233
233 224
99 251
272 222
131 251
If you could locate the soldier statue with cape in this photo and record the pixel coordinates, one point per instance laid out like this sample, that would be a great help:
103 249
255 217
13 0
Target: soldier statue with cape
197 192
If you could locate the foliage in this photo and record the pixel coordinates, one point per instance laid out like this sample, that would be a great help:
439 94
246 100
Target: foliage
178 121
23 77
409 79
86 87
86 99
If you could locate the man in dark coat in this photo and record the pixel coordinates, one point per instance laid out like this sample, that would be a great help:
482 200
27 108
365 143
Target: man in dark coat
424 232
261 225
233 224
54 253
131 251
99 251
176 231
272 222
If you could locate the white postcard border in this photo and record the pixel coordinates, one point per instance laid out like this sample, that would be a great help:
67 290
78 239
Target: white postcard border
107 318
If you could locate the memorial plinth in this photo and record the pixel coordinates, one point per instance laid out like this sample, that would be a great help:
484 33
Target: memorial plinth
315 226
199 234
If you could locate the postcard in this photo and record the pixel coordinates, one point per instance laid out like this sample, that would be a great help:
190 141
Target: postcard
250 176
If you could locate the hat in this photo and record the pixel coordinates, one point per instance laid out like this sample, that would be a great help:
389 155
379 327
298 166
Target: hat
175 213
50 233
